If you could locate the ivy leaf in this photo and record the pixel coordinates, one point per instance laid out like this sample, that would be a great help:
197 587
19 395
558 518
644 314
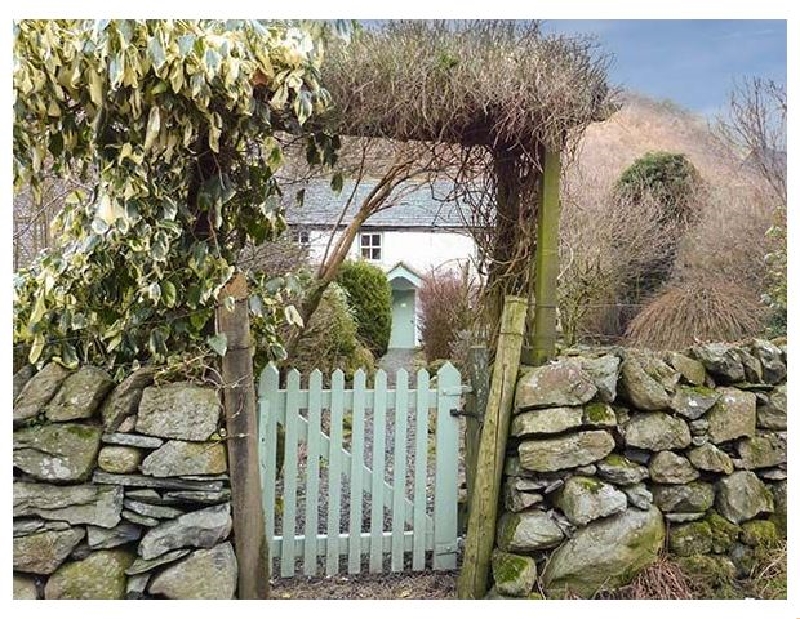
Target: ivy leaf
69 356
154 291
36 349
153 127
169 294
219 343
292 316
230 303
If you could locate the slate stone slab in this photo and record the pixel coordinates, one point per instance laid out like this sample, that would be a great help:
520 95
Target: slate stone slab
123 402
608 552
204 575
199 529
565 452
119 459
180 411
100 576
98 537
80 395
132 440
102 510
178 458
560 383
58 452
140 481
42 553
142 566
38 391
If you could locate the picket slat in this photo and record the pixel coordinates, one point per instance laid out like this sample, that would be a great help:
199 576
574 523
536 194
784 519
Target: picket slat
356 479
290 474
268 432
378 468
400 452
312 468
335 471
445 494
420 471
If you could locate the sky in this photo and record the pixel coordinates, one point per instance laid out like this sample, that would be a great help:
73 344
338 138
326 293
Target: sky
690 61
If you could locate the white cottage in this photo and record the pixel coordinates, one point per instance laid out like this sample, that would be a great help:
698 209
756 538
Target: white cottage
416 235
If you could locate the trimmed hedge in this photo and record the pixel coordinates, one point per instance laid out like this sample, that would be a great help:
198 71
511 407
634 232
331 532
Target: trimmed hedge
371 299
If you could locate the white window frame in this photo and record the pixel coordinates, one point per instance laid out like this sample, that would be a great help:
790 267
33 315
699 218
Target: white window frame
372 250
302 238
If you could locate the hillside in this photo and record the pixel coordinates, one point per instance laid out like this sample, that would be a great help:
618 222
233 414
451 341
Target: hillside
643 124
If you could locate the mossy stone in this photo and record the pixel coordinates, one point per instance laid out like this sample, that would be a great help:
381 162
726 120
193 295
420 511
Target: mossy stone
759 533
712 575
723 533
100 576
690 539
599 414
514 575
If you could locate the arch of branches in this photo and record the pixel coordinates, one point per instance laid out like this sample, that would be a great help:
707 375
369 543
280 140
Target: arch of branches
499 103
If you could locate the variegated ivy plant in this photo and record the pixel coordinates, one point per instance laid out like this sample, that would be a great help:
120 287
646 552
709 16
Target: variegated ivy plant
175 121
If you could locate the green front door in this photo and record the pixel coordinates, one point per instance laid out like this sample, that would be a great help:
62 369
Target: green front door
402 319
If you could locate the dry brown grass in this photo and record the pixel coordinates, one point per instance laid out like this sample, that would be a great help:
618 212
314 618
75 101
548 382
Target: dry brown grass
697 310
644 124
768 577
663 580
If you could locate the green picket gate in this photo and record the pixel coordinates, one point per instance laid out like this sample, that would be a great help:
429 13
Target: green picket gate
327 458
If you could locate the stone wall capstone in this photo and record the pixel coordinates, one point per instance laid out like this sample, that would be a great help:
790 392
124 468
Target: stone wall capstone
617 454
120 491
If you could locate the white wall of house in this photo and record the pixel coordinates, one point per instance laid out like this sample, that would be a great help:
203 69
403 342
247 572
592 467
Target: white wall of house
420 250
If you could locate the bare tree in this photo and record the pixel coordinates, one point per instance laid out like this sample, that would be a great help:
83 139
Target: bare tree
757 125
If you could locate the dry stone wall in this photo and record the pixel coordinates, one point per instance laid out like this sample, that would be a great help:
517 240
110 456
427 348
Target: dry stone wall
617 454
120 490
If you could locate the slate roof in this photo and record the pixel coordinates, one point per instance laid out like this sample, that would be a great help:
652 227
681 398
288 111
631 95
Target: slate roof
420 209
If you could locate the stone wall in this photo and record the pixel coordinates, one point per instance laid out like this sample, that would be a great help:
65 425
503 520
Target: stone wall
617 454
120 490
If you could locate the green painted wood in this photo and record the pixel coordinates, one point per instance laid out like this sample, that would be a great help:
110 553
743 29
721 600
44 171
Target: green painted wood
320 543
400 422
270 404
403 316
313 452
445 502
356 477
421 527
378 466
388 491
290 473
335 473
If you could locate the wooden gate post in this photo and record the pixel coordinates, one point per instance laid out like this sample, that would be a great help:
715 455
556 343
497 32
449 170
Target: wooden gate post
492 451
478 373
239 398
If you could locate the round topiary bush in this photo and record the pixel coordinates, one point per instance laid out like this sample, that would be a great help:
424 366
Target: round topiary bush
371 299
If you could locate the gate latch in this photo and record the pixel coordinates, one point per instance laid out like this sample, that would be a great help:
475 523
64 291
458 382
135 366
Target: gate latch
455 412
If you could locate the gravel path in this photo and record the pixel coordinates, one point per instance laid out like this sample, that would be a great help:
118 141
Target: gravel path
391 363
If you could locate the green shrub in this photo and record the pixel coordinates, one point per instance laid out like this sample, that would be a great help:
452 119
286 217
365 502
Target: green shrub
670 178
370 297
329 341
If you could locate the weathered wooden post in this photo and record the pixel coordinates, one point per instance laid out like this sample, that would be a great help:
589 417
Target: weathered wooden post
492 451
545 267
478 373
239 399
